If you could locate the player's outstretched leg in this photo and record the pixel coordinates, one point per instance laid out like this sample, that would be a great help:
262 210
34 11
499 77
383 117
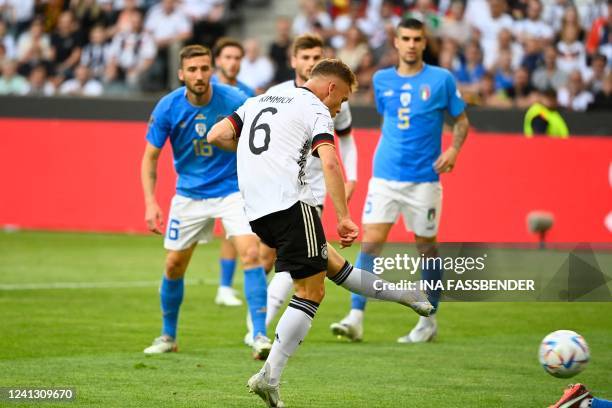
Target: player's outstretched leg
351 326
255 291
426 328
171 297
226 295
291 330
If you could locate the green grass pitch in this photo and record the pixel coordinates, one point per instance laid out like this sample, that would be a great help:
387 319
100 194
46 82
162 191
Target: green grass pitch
91 338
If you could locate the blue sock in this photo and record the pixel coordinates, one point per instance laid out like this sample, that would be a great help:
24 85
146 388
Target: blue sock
171 295
366 262
432 272
599 403
227 268
256 294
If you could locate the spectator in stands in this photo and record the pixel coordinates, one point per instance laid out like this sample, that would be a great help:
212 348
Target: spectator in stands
380 28
600 37
8 41
534 54
34 44
522 93
11 83
279 51
570 18
354 49
169 28
344 21
124 17
425 11
489 29
208 19
595 75
19 14
471 71
488 96
548 75
505 42
95 54
572 54
312 18
364 72
38 82
131 55
90 13
256 70
574 95
65 46
533 26
82 84
603 98
504 73
553 12
542 118
454 26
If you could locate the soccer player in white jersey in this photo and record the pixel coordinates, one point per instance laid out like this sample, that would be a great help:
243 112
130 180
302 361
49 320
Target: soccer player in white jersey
412 98
206 188
307 50
273 135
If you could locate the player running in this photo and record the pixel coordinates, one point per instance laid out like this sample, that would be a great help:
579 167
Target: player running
407 164
307 50
273 135
207 188
228 54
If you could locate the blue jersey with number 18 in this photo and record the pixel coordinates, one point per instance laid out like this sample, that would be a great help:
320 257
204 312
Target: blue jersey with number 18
204 170
413 111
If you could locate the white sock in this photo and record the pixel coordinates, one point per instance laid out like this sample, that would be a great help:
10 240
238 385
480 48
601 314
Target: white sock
278 289
291 330
362 282
355 316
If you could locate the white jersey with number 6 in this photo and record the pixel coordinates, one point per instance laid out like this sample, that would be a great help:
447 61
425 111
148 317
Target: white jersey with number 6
276 134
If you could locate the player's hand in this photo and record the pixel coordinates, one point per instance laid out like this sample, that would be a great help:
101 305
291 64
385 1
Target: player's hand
348 232
446 161
349 189
154 218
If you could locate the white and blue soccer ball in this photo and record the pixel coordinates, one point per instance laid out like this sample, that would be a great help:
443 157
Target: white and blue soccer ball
564 353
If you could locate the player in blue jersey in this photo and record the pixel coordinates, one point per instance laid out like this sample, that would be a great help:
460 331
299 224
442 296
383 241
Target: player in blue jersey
412 98
206 189
227 54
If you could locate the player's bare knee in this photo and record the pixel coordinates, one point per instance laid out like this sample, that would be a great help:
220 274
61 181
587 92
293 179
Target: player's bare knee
175 266
427 246
267 261
311 292
250 256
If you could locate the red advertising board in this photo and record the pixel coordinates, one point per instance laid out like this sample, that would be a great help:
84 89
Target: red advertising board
85 176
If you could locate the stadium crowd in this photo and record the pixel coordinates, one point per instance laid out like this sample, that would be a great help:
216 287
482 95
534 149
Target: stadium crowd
502 52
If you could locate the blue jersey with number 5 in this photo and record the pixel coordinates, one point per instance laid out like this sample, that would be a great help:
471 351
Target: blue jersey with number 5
413 111
204 170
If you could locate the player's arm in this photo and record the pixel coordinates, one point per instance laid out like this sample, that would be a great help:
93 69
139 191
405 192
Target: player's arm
148 178
224 134
446 161
332 173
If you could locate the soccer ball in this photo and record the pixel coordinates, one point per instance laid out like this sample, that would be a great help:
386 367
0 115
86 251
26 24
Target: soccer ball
564 353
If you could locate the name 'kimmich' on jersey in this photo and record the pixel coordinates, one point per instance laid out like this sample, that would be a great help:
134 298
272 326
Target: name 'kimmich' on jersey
277 131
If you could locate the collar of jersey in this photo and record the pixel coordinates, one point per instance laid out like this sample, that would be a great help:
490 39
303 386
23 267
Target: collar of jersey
411 76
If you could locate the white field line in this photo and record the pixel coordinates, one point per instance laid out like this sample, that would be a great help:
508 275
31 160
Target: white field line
96 285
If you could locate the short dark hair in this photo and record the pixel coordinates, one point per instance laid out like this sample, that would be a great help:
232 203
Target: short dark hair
337 68
306 42
192 51
411 23
224 42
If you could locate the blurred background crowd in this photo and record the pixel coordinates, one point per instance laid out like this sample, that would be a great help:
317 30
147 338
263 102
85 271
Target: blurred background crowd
503 53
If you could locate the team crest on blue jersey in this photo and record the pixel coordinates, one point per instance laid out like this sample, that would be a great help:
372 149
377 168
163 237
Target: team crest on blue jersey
405 98
200 129
425 92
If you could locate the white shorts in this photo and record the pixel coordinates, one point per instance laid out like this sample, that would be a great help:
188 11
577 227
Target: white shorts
192 220
419 203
